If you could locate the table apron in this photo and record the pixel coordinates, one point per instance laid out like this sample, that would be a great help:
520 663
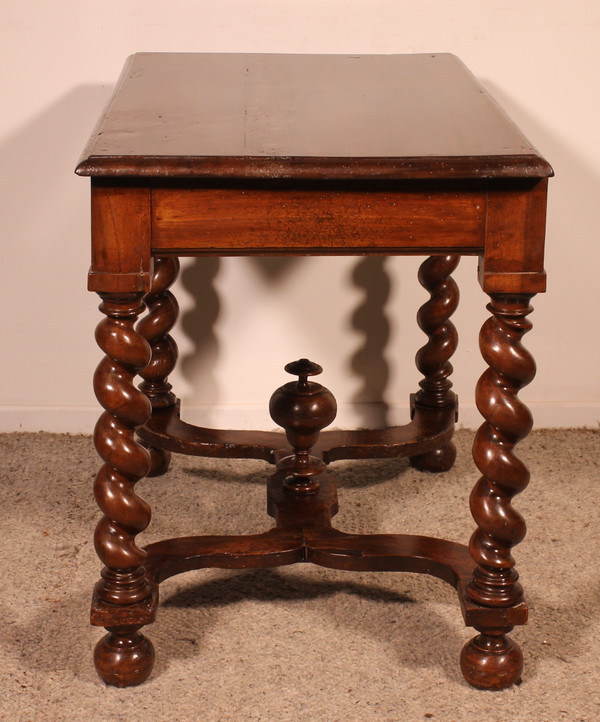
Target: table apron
503 225
253 221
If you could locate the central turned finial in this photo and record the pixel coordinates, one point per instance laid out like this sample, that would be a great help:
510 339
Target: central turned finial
303 408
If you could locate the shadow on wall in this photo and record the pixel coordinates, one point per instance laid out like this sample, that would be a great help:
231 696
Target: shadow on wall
44 217
572 260
369 320
37 174
573 209
198 324
38 160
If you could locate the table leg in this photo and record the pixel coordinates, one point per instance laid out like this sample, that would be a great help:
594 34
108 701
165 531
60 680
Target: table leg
492 660
433 360
163 311
124 656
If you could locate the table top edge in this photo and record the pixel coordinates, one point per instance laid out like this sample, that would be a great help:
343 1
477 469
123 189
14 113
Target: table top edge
523 161
527 165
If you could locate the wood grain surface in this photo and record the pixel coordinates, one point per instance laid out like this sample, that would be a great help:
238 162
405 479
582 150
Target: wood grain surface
280 116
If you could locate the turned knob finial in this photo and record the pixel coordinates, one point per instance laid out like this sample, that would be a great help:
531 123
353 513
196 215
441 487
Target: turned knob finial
303 368
302 408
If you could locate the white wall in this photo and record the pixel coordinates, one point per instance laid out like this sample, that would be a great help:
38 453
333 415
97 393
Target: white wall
539 58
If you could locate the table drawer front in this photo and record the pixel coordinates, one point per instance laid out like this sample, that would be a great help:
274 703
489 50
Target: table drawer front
236 221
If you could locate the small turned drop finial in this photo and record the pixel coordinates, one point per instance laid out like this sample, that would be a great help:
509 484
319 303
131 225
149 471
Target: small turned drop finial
302 408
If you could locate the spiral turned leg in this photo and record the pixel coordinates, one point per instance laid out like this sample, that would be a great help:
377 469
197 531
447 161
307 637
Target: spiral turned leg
491 659
433 360
123 656
154 327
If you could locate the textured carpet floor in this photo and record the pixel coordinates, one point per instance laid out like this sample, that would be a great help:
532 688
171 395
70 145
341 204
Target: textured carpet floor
298 643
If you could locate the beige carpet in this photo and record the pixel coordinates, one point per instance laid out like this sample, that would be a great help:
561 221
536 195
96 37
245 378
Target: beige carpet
298 643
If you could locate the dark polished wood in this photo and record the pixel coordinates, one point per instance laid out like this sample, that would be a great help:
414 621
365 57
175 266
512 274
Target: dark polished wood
507 421
123 656
125 461
383 219
202 154
163 311
433 360
303 408
305 116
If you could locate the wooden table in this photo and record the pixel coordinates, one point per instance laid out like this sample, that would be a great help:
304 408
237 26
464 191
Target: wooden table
286 154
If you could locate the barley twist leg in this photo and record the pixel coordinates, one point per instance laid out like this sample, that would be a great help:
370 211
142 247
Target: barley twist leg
124 656
491 659
433 360
163 311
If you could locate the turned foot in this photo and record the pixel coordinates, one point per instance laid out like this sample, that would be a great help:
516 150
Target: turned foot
435 461
491 660
124 657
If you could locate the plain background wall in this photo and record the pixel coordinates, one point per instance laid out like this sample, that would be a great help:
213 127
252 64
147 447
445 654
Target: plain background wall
539 59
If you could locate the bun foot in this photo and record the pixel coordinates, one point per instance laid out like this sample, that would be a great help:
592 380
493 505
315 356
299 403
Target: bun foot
435 461
492 661
124 657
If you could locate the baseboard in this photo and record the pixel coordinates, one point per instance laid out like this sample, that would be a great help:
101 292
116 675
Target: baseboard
81 419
